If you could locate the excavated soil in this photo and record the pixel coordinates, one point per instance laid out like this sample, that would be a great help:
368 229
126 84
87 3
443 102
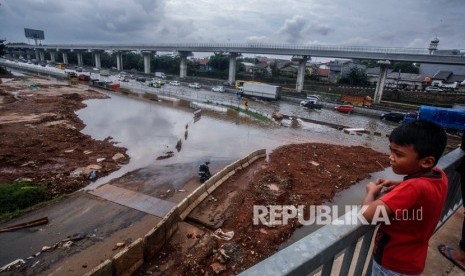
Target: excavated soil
40 138
298 174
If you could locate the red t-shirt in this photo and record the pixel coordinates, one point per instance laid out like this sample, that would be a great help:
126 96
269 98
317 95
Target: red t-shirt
417 204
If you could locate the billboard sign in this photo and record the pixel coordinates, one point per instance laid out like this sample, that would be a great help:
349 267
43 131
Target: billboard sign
34 34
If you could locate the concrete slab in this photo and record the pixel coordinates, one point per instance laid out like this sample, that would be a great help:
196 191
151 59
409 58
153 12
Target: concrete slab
212 215
448 234
135 200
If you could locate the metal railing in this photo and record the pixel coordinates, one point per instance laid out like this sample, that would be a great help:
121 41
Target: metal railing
396 50
349 244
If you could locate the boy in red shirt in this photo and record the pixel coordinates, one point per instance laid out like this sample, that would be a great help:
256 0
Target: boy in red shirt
413 205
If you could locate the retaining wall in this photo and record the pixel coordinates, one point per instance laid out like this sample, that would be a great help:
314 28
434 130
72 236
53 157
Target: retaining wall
130 259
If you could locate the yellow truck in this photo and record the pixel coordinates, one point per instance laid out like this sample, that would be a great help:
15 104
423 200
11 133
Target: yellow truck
356 100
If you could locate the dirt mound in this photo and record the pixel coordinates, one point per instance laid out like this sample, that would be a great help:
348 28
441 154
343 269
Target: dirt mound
300 174
41 139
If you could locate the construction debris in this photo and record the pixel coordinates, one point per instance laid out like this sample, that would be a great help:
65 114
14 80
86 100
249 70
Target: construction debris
33 223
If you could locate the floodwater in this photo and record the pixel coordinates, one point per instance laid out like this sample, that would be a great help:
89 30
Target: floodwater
149 129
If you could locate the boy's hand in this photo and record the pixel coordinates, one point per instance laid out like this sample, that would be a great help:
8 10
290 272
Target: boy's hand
371 204
373 189
388 184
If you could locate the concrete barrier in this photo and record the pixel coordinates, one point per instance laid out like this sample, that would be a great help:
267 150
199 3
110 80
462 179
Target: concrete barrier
143 250
154 241
129 259
103 269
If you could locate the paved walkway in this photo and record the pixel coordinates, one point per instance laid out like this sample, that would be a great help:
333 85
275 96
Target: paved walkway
139 201
437 264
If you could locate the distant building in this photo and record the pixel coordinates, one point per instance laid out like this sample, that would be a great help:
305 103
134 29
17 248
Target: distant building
203 64
408 81
431 69
249 67
263 69
448 79
290 70
339 67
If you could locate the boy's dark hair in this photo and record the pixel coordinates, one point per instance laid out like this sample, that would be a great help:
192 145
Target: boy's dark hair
427 138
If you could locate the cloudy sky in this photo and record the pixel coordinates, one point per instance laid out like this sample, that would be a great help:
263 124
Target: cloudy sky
392 23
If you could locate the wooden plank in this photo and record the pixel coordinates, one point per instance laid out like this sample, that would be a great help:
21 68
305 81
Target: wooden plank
32 223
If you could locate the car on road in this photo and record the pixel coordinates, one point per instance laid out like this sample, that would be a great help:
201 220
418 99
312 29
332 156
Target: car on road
313 97
309 101
433 89
194 85
393 117
218 89
346 108
175 83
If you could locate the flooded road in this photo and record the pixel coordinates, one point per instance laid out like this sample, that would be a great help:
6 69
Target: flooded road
149 129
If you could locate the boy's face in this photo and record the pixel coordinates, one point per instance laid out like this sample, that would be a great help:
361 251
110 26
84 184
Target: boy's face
404 160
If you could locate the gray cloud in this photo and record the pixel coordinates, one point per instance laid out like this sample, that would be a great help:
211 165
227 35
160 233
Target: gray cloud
293 28
322 29
337 22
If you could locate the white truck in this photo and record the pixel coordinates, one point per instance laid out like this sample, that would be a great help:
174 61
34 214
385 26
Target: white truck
104 73
160 75
261 90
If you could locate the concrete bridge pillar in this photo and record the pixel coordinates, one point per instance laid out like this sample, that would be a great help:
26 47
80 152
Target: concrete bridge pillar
79 59
36 53
301 72
28 56
53 56
232 67
41 56
119 61
65 58
98 63
147 59
183 66
383 66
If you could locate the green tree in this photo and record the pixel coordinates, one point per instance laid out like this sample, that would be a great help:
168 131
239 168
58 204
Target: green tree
219 62
166 64
356 76
274 69
369 63
405 67
3 71
2 47
107 60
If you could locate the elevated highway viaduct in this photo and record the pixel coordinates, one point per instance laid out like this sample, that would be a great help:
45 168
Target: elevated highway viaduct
302 53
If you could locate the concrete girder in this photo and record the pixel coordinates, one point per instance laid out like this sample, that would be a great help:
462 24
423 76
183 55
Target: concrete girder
383 66
183 65
232 67
147 59
301 71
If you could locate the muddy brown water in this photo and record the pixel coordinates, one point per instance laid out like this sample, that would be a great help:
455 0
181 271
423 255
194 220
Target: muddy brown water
150 129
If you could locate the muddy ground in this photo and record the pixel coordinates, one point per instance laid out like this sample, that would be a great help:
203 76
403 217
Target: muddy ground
40 141
300 174
40 138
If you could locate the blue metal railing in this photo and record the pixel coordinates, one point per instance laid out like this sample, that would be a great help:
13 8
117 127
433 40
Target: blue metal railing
320 249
